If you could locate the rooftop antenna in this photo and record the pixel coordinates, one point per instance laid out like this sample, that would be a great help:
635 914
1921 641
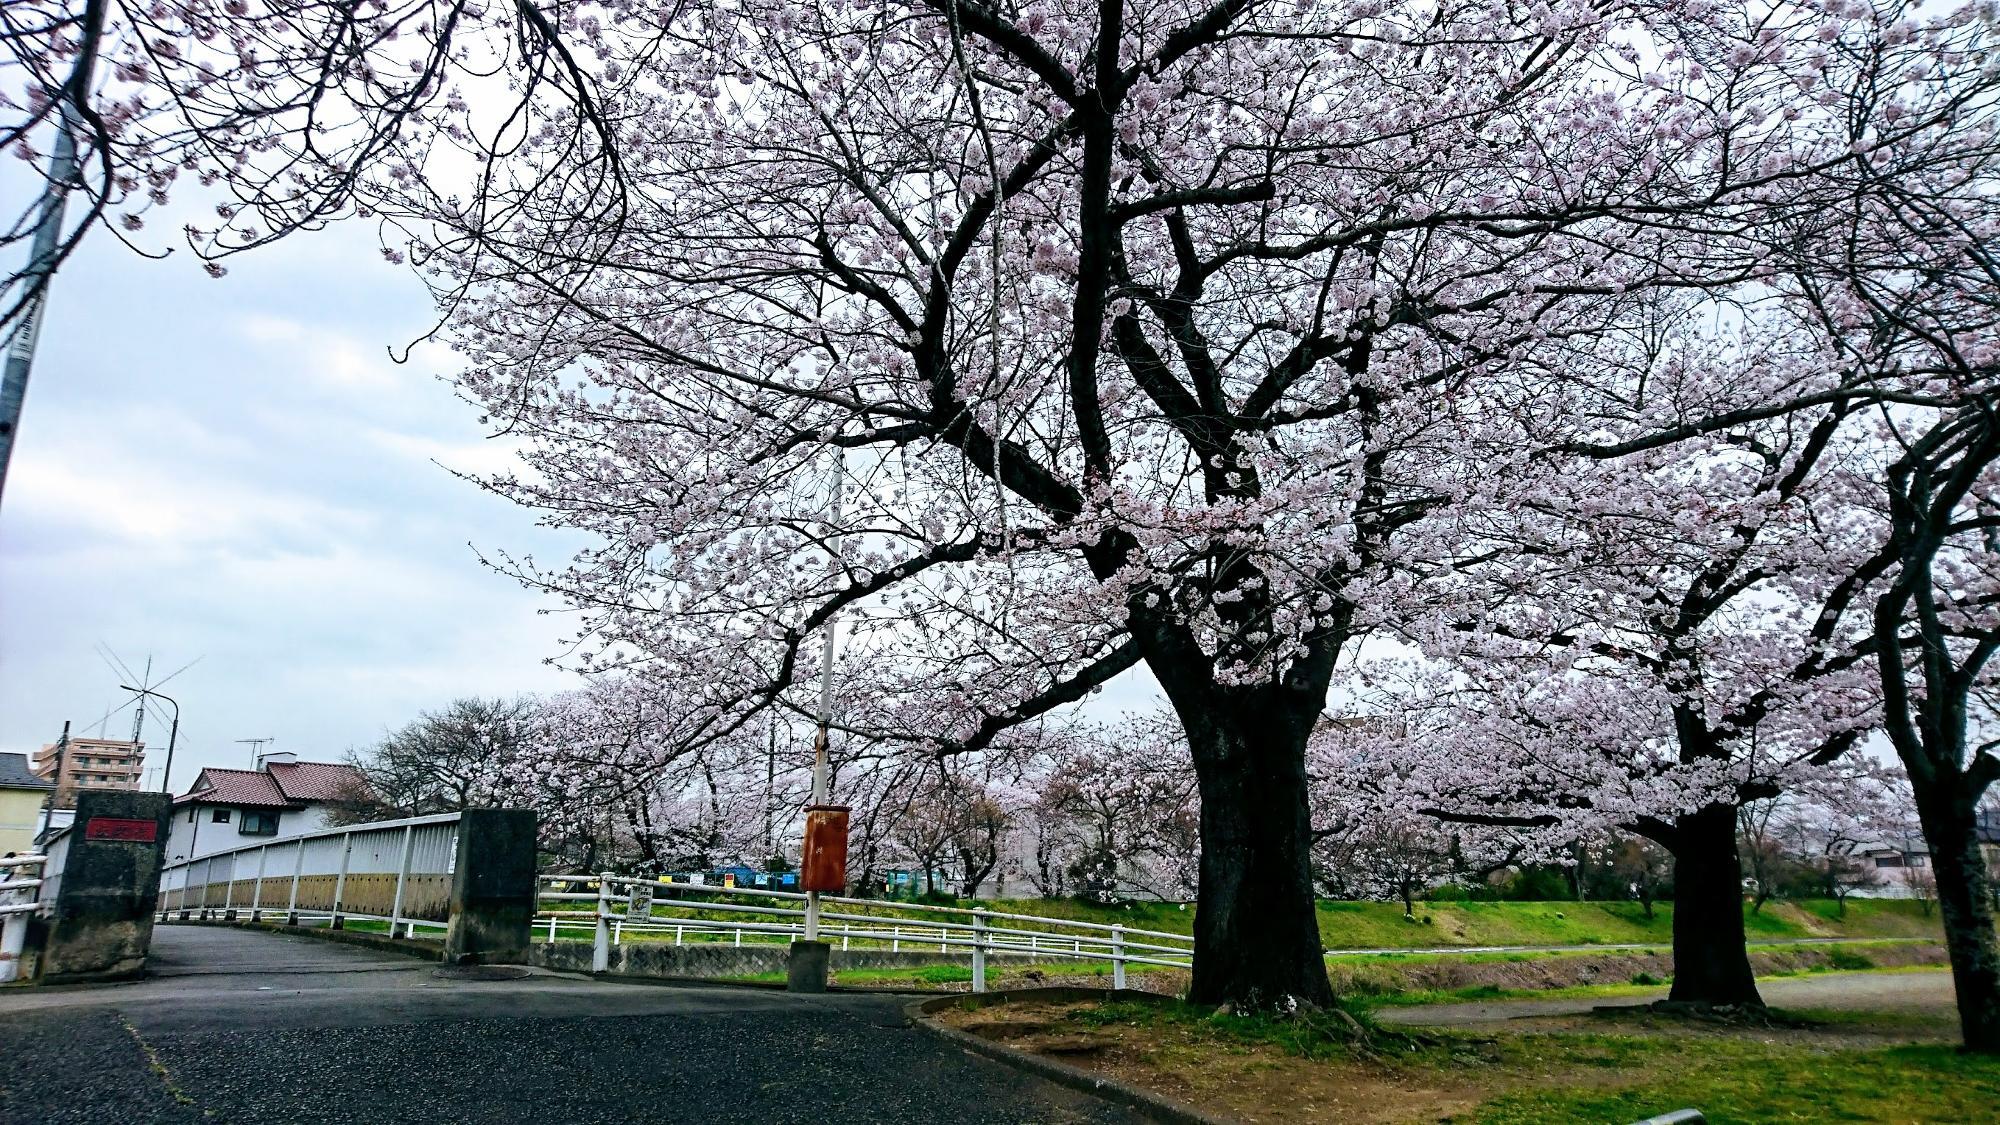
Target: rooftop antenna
256 749
146 683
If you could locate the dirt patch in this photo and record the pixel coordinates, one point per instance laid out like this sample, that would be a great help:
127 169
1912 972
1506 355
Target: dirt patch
1238 1081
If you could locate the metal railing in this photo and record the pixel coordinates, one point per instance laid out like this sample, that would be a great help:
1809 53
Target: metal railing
394 871
621 908
21 879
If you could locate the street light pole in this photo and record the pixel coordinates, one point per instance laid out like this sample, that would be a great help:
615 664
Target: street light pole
173 734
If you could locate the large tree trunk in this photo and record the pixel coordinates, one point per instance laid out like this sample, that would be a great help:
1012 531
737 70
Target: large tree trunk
1962 893
1256 929
1711 965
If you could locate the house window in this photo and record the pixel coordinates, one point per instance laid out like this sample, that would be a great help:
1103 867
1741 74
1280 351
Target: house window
190 816
1888 861
1919 860
257 824
221 816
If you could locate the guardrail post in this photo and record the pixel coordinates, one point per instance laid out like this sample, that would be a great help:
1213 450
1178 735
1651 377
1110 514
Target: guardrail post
979 951
1118 956
600 949
340 882
298 866
895 939
257 892
402 877
552 929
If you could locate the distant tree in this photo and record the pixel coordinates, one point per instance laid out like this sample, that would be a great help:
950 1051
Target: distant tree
443 761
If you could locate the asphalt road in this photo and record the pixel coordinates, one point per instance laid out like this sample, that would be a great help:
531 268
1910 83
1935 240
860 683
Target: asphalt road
242 1026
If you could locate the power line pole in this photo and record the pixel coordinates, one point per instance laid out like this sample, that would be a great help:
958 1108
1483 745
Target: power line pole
39 275
49 806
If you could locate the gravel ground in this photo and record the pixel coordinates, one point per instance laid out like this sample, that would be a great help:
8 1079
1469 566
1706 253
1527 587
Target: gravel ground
253 1027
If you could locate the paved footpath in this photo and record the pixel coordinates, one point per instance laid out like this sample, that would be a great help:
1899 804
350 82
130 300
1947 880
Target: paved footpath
245 1026
1922 992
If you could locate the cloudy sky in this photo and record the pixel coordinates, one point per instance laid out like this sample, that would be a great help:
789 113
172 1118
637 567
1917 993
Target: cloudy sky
236 471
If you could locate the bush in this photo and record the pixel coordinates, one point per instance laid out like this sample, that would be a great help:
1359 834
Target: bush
1646 978
1449 892
1847 960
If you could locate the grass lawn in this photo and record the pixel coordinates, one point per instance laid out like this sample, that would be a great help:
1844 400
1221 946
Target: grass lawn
1271 1070
1382 925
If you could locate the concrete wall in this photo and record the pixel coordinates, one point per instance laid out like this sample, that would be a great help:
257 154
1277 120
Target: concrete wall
708 961
20 818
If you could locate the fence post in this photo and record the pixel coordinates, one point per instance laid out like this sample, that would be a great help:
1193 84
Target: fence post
340 882
979 951
257 892
298 866
402 876
229 892
600 946
617 931
1118 957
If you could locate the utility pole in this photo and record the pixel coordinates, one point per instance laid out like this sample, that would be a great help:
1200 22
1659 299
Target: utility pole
825 732
40 272
49 805
770 788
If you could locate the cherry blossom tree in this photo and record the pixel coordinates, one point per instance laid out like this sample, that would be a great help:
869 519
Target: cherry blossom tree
1153 331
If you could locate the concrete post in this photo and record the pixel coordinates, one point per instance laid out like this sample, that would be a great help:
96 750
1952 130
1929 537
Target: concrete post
102 921
492 888
805 970
1118 957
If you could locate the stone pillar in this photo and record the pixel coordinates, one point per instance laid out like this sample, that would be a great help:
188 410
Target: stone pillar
805 968
102 919
492 888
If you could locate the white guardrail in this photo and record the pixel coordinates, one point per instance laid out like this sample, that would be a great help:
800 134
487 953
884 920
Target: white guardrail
20 885
623 909
393 871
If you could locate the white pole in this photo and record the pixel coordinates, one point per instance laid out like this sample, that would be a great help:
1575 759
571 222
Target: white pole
1118 957
257 893
402 877
298 866
979 951
340 882
600 952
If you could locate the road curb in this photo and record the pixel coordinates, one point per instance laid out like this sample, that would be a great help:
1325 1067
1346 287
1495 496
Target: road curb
1155 1106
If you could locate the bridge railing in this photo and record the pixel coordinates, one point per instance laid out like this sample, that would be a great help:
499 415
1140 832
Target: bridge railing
393 871
21 880
615 909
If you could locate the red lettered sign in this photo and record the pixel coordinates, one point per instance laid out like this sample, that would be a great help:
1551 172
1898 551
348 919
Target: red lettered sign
120 828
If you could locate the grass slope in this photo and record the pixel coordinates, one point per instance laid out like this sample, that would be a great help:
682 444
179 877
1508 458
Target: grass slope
1381 925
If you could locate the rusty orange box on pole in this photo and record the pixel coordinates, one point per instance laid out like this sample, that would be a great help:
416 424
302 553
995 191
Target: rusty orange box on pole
823 860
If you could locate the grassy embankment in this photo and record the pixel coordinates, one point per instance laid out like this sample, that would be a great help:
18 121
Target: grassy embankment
1843 1069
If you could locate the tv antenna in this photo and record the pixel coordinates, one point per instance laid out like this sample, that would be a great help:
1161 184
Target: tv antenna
256 749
